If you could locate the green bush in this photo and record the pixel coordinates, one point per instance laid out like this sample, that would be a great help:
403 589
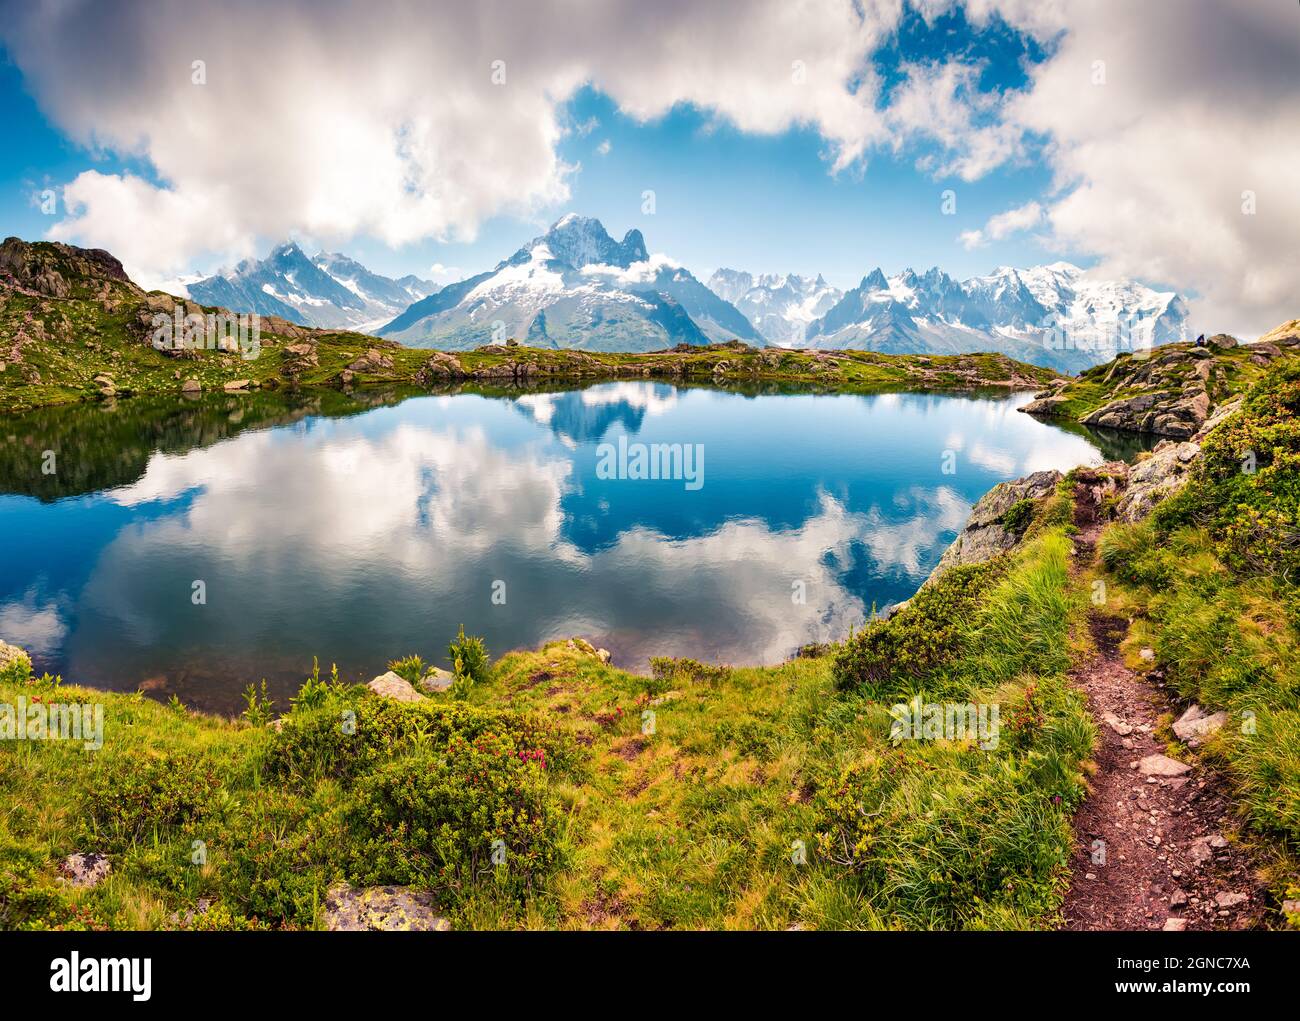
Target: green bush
354 732
887 656
17 670
469 661
436 820
129 797
280 855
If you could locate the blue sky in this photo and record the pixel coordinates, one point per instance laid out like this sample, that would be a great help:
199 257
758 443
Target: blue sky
1153 141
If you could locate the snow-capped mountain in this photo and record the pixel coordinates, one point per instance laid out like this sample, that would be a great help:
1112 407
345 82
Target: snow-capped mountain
1055 315
575 287
781 306
331 290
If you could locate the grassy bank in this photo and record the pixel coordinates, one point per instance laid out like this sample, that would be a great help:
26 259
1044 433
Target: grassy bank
740 806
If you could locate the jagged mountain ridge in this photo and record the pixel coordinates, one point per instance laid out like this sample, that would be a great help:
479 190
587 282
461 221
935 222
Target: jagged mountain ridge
1055 315
781 306
575 287
329 291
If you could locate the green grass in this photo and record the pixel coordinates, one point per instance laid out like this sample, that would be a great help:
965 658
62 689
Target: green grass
694 822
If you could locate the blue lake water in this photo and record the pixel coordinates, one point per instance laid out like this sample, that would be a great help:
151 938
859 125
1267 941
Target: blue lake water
361 533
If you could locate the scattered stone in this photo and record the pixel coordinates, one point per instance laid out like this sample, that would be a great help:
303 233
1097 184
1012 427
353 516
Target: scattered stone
85 870
436 680
1147 655
382 909
191 386
1162 765
1230 900
1175 925
236 385
1177 899
1195 723
1116 724
390 685
603 655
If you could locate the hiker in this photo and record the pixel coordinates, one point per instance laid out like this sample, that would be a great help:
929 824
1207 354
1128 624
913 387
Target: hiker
1200 341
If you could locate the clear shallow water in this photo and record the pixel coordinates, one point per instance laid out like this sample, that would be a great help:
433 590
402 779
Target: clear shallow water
359 532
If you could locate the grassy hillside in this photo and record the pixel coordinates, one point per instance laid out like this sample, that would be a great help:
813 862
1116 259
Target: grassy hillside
73 327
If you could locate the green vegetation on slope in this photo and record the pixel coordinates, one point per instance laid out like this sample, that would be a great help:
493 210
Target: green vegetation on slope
1212 577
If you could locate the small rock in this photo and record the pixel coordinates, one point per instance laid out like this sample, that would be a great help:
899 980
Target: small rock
1163 765
603 655
1230 900
1090 875
1175 925
1177 899
1196 723
191 386
85 870
235 385
390 685
382 909
1147 655
1116 724
1291 907
436 680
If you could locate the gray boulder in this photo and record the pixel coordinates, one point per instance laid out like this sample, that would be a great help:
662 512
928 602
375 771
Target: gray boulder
984 535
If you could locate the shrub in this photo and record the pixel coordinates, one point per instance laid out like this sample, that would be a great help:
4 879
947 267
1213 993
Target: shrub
925 635
1018 517
129 797
479 808
469 660
280 857
16 670
356 732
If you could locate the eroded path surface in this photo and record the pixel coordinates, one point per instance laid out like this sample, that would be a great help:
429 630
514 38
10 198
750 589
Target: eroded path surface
1152 841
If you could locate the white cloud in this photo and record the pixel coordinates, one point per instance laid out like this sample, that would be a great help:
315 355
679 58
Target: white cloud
1201 103
942 102
1004 224
603 148
383 119
441 274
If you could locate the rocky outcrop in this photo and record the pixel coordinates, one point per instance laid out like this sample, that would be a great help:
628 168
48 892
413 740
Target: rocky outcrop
1163 413
1169 391
1166 470
988 532
382 909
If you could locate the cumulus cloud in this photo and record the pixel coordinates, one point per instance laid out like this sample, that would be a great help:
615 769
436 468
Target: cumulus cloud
406 121
401 120
1156 169
942 102
1004 224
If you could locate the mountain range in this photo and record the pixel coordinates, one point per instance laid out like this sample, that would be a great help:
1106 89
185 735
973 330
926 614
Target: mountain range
330 291
575 286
